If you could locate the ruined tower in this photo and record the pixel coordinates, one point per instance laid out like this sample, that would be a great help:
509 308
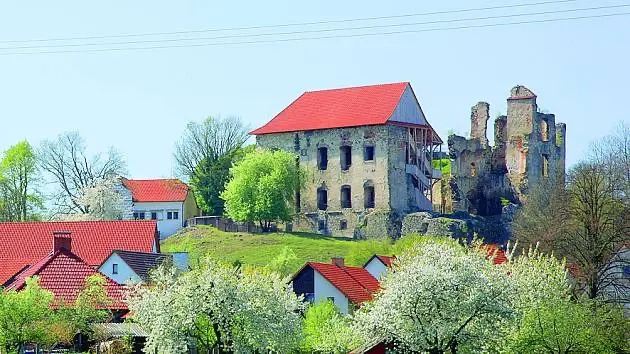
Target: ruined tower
529 149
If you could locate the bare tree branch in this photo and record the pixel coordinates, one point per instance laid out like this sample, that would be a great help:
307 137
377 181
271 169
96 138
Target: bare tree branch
69 167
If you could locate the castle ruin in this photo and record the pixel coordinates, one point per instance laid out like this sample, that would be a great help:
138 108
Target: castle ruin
529 149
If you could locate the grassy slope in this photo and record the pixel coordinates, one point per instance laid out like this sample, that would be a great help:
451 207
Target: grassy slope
259 250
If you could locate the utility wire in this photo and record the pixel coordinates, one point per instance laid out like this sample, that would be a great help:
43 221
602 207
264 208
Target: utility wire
165 40
325 37
443 12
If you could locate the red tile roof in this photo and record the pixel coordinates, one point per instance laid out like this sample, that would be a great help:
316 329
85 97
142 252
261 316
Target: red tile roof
156 190
387 260
494 250
25 243
64 273
355 283
337 108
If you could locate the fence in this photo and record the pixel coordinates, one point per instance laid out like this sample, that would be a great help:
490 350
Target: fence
227 225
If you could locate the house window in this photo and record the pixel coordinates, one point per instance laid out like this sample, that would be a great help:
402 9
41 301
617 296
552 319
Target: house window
176 215
322 158
368 196
343 225
153 215
545 165
139 215
321 225
345 157
135 216
322 198
169 215
115 268
331 299
544 130
346 199
368 153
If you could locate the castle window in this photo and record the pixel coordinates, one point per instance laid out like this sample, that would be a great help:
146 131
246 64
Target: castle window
368 153
346 199
322 198
322 158
544 130
368 195
545 165
345 157
343 225
473 169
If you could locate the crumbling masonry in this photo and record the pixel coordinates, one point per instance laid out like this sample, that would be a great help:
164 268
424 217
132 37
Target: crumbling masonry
529 148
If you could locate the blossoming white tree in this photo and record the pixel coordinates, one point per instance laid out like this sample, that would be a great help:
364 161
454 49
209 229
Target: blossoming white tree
218 307
101 201
440 297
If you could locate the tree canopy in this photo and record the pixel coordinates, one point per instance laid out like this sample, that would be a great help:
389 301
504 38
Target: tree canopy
440 297
263 188
19 179
71 169
218 306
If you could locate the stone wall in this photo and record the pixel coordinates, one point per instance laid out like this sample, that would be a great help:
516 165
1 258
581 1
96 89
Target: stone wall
529 149
336 219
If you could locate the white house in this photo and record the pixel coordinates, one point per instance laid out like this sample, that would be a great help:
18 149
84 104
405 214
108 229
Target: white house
378 265
346 287
169 201
128 267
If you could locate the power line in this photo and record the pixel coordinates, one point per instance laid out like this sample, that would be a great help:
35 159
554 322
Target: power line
324 37
443 12
165 40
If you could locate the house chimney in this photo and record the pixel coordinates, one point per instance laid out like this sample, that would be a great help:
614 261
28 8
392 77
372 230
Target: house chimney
338 261
62 240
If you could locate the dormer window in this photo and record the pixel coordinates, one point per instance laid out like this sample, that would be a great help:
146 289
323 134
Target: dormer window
115 268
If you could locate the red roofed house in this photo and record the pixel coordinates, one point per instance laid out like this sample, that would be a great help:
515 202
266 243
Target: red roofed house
64 274
169 201
23 244
346 286
378 265
367 148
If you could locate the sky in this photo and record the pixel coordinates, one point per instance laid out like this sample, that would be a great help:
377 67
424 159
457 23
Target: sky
140 101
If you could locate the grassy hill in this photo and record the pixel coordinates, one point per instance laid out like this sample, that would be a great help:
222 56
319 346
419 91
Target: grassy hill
260 249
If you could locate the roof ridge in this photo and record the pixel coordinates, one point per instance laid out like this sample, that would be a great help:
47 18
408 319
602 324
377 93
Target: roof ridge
360 86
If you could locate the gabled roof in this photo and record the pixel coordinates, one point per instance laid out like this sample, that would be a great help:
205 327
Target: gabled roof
64 273
142 262
156 190
386 260
24 243
337 108
355 283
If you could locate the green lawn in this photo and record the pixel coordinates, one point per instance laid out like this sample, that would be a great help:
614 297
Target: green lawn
260 249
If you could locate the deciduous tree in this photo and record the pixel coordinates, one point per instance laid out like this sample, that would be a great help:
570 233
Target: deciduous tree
327 331
441 297
205 154
19 196
102 201
218 307
69 166
263 188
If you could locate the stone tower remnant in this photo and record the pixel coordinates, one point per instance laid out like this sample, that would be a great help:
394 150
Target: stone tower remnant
529 149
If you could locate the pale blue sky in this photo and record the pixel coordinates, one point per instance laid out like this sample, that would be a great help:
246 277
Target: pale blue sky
140 101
